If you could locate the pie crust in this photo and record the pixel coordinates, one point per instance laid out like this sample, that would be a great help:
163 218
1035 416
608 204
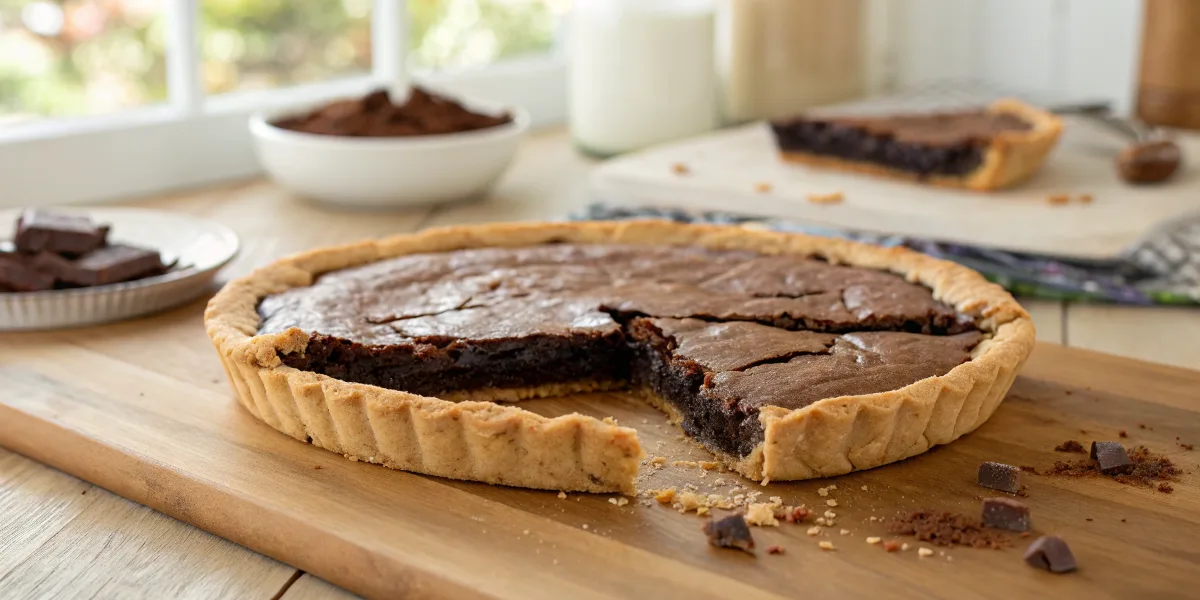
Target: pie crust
1010 158
480 440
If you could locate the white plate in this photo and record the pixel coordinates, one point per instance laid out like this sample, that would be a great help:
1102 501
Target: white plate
201 248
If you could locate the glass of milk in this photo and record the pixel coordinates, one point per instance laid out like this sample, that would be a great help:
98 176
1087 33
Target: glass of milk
642 72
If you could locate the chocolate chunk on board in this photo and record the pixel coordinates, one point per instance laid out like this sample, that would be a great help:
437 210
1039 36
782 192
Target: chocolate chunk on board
110 264
1051 553
999 476
1111 457
1005 513
730 532
44 231
18 275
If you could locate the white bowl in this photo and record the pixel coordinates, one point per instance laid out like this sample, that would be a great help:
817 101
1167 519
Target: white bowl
201 248
386 172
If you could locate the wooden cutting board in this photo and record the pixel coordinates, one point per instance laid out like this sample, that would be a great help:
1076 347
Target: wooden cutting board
143 409
726 169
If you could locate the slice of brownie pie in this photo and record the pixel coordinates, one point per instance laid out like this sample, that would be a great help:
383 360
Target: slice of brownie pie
985 149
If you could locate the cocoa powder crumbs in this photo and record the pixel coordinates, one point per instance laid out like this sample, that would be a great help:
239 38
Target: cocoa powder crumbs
1166 488
1029 469
1123 433
796 515
1186 446
1070 446
947 529
775 550
1147 470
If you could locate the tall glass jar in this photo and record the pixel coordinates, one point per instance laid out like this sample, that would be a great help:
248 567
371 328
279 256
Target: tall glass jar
642 72
778 57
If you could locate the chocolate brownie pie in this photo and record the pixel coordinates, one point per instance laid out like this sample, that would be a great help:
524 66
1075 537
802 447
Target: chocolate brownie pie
786 356
984 149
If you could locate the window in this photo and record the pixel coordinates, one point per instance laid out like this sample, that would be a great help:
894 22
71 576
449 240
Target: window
134 97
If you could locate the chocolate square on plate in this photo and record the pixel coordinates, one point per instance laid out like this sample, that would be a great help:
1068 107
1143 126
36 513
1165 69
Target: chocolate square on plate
1005 513
44 231
110 264
18 274
1052 554
1111 457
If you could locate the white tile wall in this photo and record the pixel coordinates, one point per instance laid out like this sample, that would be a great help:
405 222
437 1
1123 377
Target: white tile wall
1066 48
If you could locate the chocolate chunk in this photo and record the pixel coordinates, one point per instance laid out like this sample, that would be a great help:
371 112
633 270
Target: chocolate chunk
1005 513
43 231
1110 457
17 274
110 264
1052 554
730 532
999 476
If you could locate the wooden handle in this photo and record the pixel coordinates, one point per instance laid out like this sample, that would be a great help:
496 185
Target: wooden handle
1169 75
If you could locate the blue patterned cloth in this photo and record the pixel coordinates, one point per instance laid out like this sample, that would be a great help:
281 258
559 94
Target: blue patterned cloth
1164 269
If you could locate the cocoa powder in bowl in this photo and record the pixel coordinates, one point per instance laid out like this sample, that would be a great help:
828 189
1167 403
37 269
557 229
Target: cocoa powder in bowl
374 115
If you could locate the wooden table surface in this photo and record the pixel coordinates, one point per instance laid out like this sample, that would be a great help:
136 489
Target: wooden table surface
63 537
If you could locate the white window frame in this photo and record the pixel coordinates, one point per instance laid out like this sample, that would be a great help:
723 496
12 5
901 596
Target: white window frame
196 139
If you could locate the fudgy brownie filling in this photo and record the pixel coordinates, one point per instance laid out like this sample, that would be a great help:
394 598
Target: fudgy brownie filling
717 335
934 144
424 368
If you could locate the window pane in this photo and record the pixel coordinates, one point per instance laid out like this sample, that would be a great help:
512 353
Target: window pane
259 44
470 33
63 58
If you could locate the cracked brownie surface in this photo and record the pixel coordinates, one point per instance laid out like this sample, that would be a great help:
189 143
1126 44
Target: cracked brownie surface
714 335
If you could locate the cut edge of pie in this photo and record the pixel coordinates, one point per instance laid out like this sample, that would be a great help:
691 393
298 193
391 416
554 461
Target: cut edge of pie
1010 158
478 439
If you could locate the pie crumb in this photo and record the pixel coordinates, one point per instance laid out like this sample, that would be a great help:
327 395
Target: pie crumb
845 532
585 526
612 500
874 540
833 198
814 530
680 169
891 546
688 501
526 532
826 545
923 552
708 465
904 547
1058 199
829 514
762 187
562 495
701 511
822 492
761 514
831 502
776 549
1085 198
664 496
658 460
863 488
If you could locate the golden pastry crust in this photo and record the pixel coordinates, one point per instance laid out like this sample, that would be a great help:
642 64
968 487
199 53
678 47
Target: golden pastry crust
1012 156
504 444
